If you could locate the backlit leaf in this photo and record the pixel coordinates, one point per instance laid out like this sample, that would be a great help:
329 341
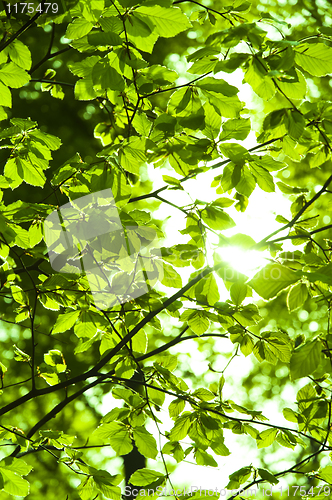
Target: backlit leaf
296 297
168 22
305 359
273 278
315 58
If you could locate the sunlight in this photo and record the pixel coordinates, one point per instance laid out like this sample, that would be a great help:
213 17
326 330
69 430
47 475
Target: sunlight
247 262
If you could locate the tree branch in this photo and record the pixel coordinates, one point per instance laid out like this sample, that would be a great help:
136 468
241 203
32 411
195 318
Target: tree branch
296 217
48 55
51 414
208 9
177 340
53 82
20 31
213 410
94 371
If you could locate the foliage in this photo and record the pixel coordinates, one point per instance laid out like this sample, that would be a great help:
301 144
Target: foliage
123 86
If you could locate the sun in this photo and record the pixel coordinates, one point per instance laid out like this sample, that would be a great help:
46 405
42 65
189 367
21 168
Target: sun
247 262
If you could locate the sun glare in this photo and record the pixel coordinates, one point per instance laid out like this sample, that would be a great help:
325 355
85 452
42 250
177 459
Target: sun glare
247 262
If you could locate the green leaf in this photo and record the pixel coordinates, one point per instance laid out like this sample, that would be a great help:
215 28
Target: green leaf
204 65
105 483
140 30
117 434
5 96
203 394
296 124
87 326
100 38
209 289
174 449
273 346
48 373
239 477
20 355
55 358
140 342
238 128
263 178
238 293
143 125
107 77
266 438
292 416
234 152
13 76
284 188
83 68
273 278
172 180
212 122
265 474
50 141
197 321
13 483
3 368
65 321
200 53
326 473
241 5
18 295
176 407
78 28
257 78
315 58
11 470
159 75
132 155
220 448
194 121
217 85
144 477
294 89
305 359
168 22
16 465
145 442
216 218
171 278
22 237
297 296
87 488
246 345
30 172
230 64
20 54
321 274
111 23
229 107
181 427
247 182
204 458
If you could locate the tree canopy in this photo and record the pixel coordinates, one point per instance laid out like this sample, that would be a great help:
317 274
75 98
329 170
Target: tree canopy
122 321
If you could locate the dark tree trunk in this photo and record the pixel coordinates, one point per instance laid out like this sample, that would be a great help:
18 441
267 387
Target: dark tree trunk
133 460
